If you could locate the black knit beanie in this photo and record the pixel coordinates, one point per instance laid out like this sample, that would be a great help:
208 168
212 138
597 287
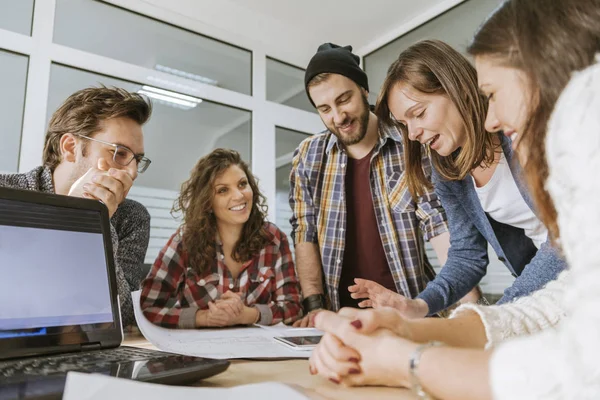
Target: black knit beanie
334 59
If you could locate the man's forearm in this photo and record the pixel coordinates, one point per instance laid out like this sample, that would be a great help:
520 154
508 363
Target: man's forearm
463 331
308 266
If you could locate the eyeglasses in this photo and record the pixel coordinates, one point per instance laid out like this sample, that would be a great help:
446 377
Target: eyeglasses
124 156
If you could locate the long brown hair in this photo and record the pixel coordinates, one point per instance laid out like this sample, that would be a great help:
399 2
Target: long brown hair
199 225
83 112
434 67
548 40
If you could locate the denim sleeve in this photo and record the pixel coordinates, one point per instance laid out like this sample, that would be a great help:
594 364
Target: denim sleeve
467 257
544 267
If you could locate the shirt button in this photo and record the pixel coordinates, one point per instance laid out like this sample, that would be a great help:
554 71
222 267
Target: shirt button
222 256
343 165
231 286
202 282
338 261
262 278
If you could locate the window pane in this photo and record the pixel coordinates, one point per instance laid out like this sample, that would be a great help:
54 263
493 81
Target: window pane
16 16
285 85
174 139
286 141
455 27
13 80
113 32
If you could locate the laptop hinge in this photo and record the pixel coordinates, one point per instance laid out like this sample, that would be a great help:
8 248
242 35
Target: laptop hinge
91 346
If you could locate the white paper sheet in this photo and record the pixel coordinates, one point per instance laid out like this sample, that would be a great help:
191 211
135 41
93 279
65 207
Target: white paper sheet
282 329
228 343
80 386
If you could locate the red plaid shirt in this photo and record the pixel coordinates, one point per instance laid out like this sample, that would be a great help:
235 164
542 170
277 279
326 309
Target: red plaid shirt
173 292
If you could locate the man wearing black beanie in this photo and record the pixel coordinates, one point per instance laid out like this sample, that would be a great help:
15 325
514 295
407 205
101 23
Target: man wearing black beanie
355 225
331 58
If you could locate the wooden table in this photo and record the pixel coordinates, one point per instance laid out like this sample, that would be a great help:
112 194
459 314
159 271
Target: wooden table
292 372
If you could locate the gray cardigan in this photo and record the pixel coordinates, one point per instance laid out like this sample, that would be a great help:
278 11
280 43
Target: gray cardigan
471 229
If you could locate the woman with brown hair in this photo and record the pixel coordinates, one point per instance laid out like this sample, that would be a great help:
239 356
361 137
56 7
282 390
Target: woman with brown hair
527 54
225 265
431 93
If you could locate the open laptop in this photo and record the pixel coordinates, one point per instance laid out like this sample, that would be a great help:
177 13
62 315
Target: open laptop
59 308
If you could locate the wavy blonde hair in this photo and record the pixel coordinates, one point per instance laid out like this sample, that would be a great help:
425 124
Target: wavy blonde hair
434 67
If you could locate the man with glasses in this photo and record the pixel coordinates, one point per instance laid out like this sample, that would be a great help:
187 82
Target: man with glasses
94 148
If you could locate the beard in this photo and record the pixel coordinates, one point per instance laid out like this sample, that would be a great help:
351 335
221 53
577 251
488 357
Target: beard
361 132
79 168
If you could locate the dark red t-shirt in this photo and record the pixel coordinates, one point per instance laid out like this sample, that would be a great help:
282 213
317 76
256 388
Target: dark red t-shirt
364 256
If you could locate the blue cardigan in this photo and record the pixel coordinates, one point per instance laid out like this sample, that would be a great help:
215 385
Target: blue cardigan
471 229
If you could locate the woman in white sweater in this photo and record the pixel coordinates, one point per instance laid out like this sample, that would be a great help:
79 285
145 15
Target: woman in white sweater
544 346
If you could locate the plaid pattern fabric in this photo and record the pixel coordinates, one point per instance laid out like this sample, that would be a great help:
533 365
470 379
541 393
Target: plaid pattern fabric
173 291
319 210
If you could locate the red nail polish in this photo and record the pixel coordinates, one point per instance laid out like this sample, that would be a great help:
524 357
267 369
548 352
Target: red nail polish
354 371
357 324
334 381
354 360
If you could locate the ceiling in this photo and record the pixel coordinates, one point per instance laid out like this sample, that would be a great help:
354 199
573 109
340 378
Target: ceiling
292 30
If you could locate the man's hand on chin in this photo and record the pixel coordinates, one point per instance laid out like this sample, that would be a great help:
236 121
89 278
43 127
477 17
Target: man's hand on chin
108 185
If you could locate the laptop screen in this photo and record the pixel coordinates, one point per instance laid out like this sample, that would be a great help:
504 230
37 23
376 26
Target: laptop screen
53 263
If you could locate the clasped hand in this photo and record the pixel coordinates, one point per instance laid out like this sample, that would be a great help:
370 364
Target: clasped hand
363 347
226 311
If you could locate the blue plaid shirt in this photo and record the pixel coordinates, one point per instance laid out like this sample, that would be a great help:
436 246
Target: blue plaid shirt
317 191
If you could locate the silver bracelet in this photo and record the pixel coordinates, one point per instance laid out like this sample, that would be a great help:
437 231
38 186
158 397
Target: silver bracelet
413 365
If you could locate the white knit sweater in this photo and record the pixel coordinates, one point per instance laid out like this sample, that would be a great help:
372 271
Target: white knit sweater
562 362
525 316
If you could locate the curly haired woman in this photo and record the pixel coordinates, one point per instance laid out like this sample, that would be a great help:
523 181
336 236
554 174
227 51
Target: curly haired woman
225 265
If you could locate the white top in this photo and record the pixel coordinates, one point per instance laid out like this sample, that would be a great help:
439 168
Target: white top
561 362
501 199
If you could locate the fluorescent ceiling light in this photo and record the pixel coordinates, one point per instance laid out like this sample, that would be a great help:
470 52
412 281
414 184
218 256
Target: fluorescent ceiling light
184 74
170 98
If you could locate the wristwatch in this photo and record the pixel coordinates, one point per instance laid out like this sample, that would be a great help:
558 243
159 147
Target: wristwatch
314 302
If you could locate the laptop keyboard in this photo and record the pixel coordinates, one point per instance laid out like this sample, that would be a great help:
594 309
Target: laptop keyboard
91 361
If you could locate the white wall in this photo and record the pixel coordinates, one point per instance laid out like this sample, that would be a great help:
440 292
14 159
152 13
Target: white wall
13 83
455 27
